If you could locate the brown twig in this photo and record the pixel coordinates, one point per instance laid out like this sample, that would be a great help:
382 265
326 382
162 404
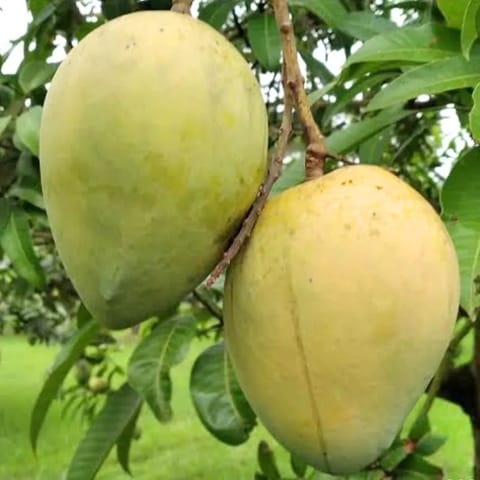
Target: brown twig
316 151
181 6
274 172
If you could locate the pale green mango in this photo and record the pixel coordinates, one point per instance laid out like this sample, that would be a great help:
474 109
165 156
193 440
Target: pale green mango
338 312
153 147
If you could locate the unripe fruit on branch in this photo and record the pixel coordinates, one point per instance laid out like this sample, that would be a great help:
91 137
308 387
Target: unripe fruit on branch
153 147
338 312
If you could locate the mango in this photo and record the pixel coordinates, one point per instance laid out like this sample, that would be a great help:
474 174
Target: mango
338 312
152 148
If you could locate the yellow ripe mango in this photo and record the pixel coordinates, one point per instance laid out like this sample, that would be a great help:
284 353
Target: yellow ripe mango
338 312
153 146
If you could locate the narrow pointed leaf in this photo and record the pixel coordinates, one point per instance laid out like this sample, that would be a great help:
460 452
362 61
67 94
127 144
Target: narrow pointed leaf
363 25
417 468
435 77
5 210
460 206
4 121
34 74
267 462
150 364
474 116
119 409
420 427
293 174
216 13
328 10
17 244
430 444
218 398
124 442
411 44
65 360
469 27
316 68
299 467
347 139
264 37
453 11
28 128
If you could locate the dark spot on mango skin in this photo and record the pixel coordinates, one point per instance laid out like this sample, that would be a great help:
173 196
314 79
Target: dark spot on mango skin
378 187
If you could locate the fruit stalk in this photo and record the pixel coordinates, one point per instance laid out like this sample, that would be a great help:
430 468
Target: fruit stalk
181 6
316 151
274 172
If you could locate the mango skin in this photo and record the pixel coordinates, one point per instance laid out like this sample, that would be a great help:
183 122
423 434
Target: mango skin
153 146
338 312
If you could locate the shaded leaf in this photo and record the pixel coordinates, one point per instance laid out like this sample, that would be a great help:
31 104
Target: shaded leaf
216 13
417 468
453 11
4 214
34 74
124 442
474 116
429 444
64 361
420 427
372 150
115 8
345 140
150 364
460 199
4 121
107 427
435 77
17 244
30 195
411 44
393 457
363 25
299 467
264 37
328 10
267 462
293 174
469 27
218 398
315 67
28 128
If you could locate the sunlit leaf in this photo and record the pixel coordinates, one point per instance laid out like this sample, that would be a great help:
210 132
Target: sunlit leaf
216 12
474 116
65 360
28 128
34 74
453 11
264 37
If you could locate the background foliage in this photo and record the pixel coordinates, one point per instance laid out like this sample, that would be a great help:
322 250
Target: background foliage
386 79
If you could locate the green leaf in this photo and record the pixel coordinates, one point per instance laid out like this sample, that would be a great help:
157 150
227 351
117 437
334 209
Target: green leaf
64 361
345 96
316 95
474 116
264 37
363 25
124 441
316 68
17 244
4 214
218 398
267 462
417 468
460 200
410 44
299 467
429 444
392 458
28 128
347 139
293 174
420 427
435 77
30 195
119 409
453 11
4 121
34 74
150 364
331 11
115 8
469 28
371 151
216 13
